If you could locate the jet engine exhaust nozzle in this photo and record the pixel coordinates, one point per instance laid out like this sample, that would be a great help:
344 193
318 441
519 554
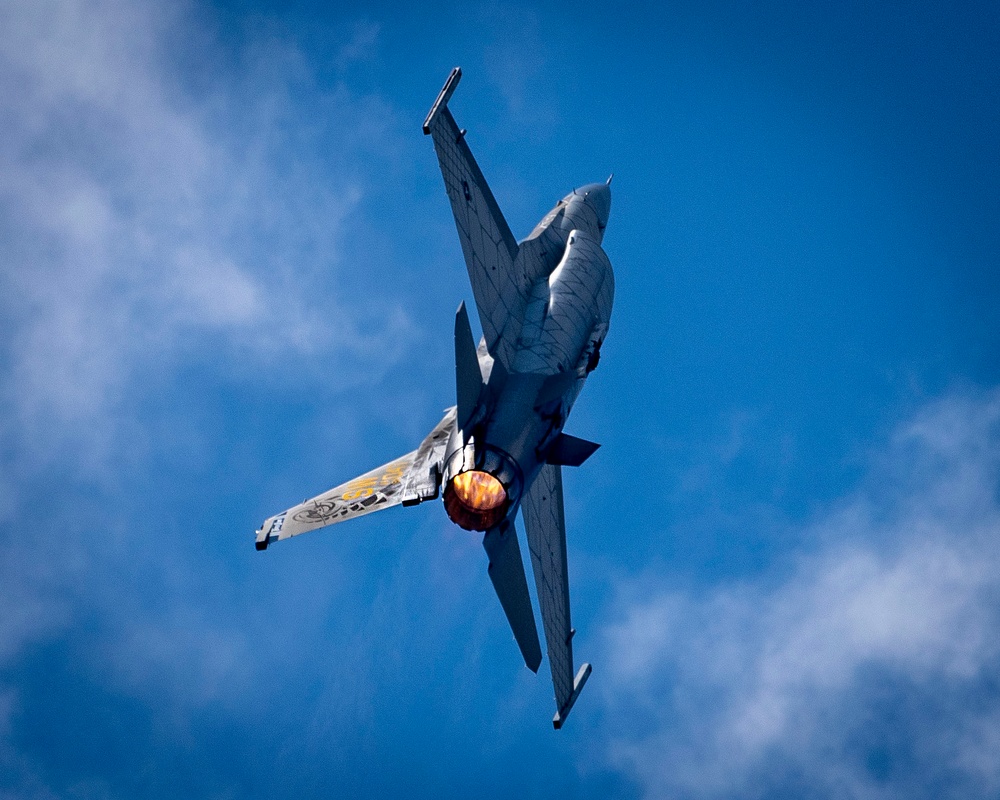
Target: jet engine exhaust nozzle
475 500
480 491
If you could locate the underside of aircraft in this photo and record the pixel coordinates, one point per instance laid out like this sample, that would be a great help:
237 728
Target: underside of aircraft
544 306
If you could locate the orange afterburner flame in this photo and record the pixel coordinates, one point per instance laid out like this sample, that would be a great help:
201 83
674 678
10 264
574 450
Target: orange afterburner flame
478 491
475 500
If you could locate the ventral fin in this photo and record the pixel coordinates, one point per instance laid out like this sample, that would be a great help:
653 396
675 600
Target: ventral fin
569 451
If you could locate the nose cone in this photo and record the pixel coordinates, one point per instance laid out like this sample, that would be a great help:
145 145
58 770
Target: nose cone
598 197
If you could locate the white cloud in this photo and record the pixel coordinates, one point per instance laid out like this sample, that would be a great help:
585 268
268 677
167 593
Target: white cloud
151 213
865 667
515 63
362 45
141 216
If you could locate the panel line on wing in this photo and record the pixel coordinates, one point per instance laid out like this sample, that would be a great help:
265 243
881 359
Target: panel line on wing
545 525
487 243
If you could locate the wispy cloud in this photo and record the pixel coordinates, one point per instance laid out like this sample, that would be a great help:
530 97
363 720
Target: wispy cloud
144 217
865 667
362 45
165 201
515 63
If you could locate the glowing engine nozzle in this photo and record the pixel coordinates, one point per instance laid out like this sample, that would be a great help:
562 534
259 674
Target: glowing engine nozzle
479 491
475 500
482 484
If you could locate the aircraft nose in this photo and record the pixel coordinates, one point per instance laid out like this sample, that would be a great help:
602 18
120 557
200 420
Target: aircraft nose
598 197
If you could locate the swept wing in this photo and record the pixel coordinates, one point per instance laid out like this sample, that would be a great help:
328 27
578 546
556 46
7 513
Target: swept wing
545 524
487 243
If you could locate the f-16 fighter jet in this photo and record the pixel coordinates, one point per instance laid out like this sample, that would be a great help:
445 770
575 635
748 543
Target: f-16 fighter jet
544 305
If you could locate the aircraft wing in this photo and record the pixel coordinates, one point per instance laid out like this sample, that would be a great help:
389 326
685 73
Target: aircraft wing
487 243
409 480
545 524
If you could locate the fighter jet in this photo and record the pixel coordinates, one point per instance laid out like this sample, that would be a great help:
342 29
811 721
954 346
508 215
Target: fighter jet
544 305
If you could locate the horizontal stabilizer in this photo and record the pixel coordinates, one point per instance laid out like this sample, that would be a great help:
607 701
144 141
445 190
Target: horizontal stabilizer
570 451
507 573
468 376
578 683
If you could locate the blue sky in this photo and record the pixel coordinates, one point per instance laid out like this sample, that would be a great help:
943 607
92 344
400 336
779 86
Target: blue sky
229 275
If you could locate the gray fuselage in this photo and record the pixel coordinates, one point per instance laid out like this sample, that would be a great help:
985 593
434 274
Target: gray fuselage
559 332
